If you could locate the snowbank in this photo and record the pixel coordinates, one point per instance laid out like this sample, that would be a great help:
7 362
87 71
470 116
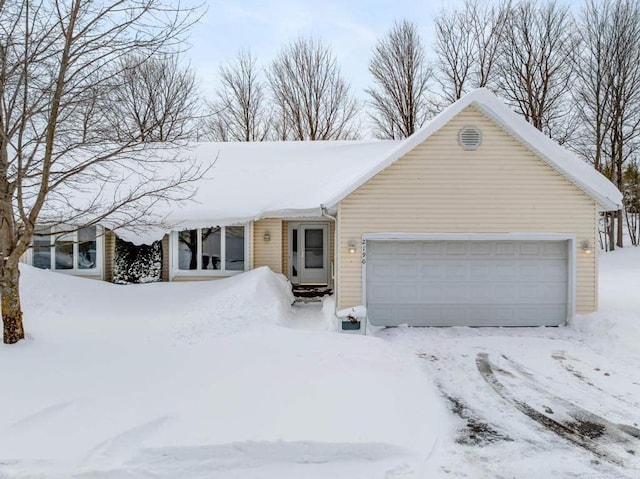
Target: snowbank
162 311
617 322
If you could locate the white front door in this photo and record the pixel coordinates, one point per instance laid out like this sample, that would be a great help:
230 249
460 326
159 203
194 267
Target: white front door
309 253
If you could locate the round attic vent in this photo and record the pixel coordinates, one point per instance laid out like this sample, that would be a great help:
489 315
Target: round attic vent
470 138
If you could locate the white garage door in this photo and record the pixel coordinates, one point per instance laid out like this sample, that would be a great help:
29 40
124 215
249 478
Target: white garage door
466 283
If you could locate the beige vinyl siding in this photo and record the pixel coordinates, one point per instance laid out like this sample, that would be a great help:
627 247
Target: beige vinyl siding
109 254
268 253
502 187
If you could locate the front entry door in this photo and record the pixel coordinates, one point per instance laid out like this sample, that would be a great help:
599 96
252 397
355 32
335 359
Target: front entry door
310 248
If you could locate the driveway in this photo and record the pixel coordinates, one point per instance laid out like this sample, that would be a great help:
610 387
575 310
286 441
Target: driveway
531 403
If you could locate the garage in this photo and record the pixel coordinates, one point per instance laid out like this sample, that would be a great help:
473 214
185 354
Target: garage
464 281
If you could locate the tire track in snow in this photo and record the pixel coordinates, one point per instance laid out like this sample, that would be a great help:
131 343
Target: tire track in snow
576 411
564 363
582 437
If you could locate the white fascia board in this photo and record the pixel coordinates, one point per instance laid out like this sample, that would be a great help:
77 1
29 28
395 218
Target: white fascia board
524 236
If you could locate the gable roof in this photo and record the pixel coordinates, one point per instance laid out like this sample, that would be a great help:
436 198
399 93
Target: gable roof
295 179
565 162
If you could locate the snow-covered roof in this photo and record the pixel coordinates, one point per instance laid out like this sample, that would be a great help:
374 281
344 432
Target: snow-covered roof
287 179
296 179
562 160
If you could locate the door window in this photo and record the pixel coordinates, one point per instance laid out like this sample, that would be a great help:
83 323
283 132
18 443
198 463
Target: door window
313 248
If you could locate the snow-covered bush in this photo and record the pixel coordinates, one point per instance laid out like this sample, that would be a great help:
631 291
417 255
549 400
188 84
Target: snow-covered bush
137 264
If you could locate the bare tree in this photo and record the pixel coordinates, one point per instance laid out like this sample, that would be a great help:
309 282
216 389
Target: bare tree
311 99
401 80
468 43
631 184
534 68
154 99
608 93
59 165
592 91
240 111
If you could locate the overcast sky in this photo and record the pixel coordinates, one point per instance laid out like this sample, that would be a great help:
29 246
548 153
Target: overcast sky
350 27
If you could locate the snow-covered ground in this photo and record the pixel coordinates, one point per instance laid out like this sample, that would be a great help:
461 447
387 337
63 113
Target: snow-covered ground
210 379
224 379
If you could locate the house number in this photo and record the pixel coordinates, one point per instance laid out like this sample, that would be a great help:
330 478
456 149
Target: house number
364 252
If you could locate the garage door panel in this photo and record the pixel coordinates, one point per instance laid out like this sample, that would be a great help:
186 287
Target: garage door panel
432 270
481 270
409 293
504 314
382 248
432 293
504 271
459 294
383 292
383 315
459 315
482 292
527 272
529 249
458 248
455 271
554 293
482 248
406 248
408 271
530 292
380 269
505 248
555 250
504 291
473 283
554 269
431 248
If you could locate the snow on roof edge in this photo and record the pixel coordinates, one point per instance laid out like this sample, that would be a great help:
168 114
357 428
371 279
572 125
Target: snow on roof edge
517 127
139 236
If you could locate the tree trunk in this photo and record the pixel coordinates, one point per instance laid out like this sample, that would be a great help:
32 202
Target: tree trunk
611 230
11 310
620 229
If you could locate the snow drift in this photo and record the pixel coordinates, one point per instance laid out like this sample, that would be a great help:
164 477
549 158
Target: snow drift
200 379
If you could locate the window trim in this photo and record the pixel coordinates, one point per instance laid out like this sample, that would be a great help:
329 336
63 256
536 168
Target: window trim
175 251
75 271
